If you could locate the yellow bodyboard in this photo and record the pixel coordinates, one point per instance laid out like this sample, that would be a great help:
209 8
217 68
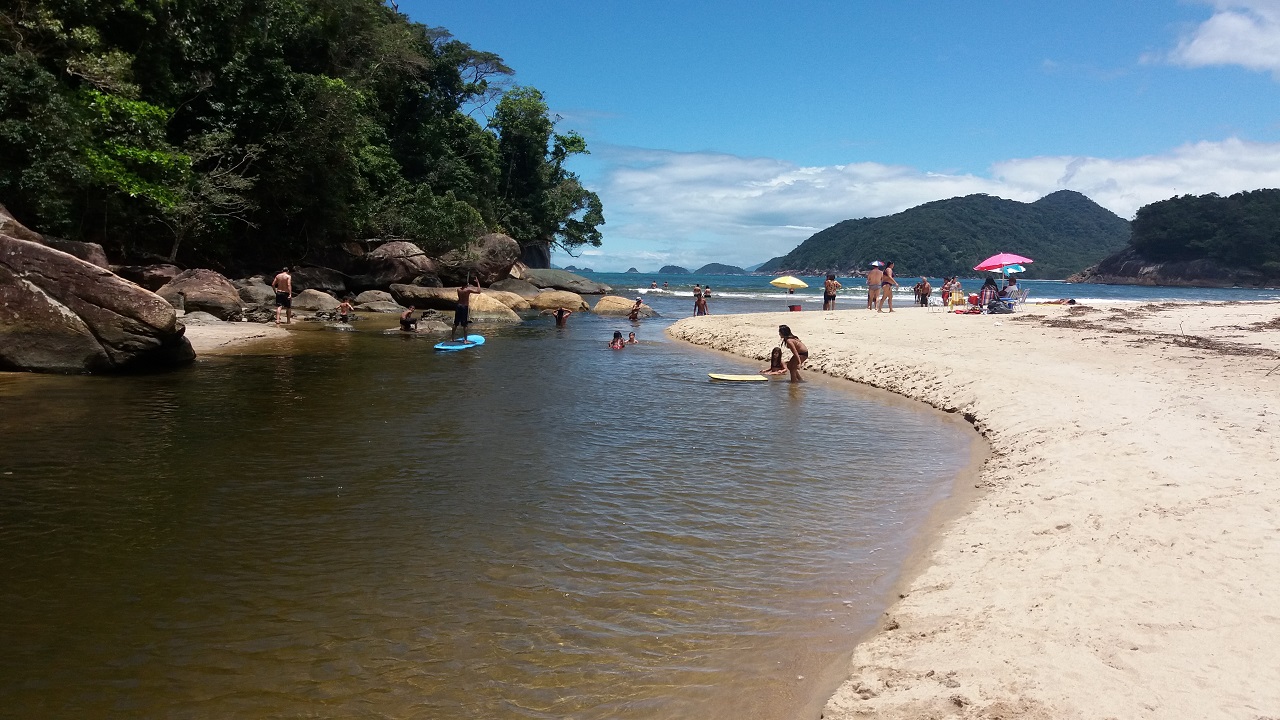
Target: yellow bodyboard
738 378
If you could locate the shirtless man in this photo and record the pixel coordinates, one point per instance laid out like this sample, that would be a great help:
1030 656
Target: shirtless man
460 312
799 353
634 314
873 286
407 323
887 284
344 310
283 285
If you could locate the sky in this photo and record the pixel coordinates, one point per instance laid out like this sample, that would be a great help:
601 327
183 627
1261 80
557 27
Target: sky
731 131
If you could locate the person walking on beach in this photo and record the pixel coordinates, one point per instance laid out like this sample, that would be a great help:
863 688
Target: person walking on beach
873 286
829 289
283 285
799 353
462 311
887 284
700 305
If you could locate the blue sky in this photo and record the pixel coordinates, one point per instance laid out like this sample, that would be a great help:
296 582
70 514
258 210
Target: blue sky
729 132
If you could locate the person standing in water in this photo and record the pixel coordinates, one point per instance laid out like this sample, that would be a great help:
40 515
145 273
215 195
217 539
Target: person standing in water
344 310
887 284
873 286
617 343
407 323
799 353
462 311
634 314
283 285
561 314
700 305
829 288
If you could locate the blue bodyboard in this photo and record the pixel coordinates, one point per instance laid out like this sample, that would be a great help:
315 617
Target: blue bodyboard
474 341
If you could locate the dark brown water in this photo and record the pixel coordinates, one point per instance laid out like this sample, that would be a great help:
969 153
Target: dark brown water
354 525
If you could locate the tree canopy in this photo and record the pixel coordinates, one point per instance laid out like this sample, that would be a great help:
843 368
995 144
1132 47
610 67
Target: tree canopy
238 131
1242 230
1063 232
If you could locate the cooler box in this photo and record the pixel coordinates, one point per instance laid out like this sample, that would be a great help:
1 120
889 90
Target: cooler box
794 308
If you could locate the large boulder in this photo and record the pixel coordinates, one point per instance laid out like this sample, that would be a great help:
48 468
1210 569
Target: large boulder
564 280
318 278
380 306
255 292
314 301
484 308
10 226
510 299
61 314
89 252
552 299
205 290
393 263
520 287
371 296
620 306
151 277
487 260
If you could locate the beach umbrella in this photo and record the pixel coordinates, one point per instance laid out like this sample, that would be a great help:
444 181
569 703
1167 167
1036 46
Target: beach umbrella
995 262
1010 269
876 263
788 282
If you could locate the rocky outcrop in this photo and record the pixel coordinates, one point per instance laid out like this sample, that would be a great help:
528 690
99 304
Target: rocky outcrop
10 226
151 277
204 290
486 260
619 306
563 280
379 306
510 299
318 278
552 299
1128 267
314 301
395 262
537 255
673 270
372 296
484 308
254 291
520 287
61 314
91 253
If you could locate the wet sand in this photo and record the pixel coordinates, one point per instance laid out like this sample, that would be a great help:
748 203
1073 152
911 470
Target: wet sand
230 337
1123 557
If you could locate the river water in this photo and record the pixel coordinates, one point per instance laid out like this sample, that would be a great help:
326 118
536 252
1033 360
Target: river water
350 524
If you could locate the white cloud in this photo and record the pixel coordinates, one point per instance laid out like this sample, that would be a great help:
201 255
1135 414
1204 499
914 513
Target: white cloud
693 208
1240 32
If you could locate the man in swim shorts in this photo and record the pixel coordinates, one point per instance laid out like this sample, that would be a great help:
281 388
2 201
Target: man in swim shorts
283 285
407 323
461 312
873 286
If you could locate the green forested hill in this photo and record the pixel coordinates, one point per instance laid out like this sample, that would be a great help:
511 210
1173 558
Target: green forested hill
220 131
1063 232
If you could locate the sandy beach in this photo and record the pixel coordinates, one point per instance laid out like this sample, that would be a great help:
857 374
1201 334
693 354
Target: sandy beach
230 337
1122 559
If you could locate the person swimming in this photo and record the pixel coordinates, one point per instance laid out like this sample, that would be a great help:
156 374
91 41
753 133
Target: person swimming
617 343
775 364
631 338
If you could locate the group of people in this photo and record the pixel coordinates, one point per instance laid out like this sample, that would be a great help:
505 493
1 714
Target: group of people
617 343
461 313
799 354
880 285
923 291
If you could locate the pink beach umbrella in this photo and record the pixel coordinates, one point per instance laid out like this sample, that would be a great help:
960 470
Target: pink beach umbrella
995 262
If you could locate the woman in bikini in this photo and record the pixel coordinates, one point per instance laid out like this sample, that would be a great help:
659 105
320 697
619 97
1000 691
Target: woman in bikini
887 284
799 353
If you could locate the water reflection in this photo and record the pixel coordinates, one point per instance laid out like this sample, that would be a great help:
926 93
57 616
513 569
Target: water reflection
538 528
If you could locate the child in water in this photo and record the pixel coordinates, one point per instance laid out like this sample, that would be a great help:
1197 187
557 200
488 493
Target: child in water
775 364
631 338
617 343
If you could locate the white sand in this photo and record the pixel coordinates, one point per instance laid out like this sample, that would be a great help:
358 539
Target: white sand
229 337
1124 558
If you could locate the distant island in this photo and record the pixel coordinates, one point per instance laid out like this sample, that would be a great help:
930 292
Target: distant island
719 269
1199 241
573 269
673 270
632 270
1064 232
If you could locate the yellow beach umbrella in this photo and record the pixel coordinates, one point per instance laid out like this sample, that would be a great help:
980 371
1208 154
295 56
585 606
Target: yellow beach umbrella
788 282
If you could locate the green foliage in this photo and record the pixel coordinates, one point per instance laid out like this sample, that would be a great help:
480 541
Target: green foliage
1242 230
254 131
1063 232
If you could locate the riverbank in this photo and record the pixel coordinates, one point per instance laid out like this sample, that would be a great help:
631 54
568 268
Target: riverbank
230 337
1123 559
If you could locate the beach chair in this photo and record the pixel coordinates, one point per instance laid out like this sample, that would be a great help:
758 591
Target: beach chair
1022 298
935 303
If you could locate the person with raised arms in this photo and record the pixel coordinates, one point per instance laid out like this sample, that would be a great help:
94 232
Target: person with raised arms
462 311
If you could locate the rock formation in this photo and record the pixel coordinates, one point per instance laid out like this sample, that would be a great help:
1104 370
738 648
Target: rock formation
563 280
318 278
61 314
1128 267
520 287
484 308
616 305
371 296
314 301
395 262
204 290
510 299
487 260
552 299
151 277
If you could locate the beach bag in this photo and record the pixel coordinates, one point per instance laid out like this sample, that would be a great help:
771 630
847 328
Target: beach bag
998 307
